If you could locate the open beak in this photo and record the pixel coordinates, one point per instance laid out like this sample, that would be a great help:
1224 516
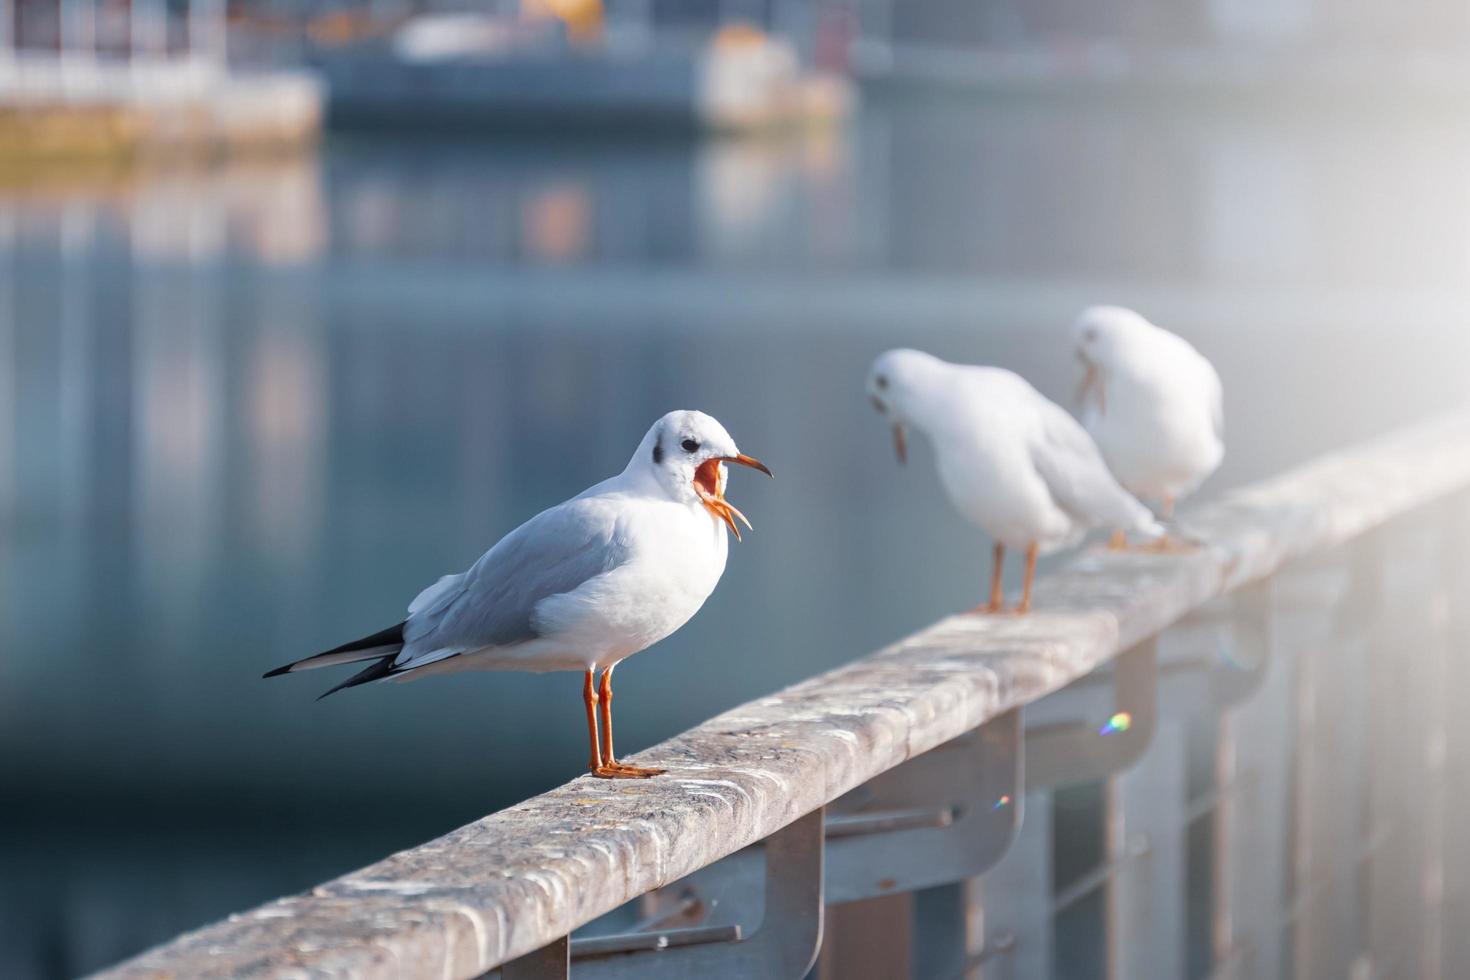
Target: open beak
709 483
750 461
900 443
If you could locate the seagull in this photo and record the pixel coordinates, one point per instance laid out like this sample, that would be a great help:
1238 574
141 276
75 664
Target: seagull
1153 404
1012 461
580 586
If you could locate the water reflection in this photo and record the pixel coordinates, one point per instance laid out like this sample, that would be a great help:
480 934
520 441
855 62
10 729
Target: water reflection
247 412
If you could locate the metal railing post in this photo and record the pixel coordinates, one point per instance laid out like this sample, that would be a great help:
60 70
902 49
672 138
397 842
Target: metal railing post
783 947
1144 834
939 821
551 962
1405 854
1251 696
1016 897
1083 751
942 817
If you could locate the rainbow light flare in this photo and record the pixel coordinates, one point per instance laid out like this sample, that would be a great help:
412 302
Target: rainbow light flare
1120 722
1003 801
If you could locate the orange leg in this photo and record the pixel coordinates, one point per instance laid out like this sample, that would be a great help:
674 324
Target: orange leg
589 698
1166 508
997 601
610 764
1118 542
1032 550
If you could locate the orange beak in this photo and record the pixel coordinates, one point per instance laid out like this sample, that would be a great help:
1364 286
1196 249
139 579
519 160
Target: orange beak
900 443
709 483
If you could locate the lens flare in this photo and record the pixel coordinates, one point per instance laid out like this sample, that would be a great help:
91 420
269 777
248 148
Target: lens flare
1005 800
1120 722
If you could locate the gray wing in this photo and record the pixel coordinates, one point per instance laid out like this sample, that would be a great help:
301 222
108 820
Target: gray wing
493 604
1070 464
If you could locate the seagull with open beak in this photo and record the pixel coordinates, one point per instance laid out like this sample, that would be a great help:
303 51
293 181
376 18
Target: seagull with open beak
1011 461
581 586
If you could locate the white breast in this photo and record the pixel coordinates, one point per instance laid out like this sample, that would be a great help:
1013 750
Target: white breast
986 468
1157 430
678 556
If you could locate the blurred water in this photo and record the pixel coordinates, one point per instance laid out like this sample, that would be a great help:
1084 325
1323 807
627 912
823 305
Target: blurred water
247 413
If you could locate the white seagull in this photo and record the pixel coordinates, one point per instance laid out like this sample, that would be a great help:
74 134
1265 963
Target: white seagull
1153 404
580 586
1012 462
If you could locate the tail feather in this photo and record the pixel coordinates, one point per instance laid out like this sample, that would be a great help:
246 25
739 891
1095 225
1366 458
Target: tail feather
382 643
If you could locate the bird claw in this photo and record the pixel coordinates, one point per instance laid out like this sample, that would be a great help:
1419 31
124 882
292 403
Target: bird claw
989 609
618 770
1170 544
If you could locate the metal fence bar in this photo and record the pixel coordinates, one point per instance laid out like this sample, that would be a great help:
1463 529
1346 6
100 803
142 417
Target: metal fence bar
1017 900
1249 855
1145 900
521 879
784 945
1404 882
1335 655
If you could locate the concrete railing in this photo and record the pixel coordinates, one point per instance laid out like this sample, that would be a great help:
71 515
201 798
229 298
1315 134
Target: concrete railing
900 771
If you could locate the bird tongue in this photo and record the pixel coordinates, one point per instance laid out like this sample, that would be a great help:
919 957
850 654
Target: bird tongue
709 484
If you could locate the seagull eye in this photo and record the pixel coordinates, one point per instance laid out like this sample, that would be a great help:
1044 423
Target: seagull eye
882 382
1090 335
689 445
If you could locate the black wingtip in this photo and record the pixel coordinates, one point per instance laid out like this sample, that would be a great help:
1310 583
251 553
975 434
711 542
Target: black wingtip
374 671
391 636
382 638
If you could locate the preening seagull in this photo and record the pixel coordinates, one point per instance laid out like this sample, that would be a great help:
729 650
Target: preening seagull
1153 404
1012 461
580 586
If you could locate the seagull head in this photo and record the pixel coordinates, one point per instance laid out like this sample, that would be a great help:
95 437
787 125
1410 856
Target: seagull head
1102 337
685 453
895 381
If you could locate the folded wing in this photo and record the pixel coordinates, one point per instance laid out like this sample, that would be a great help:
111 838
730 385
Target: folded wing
1070 464
494 603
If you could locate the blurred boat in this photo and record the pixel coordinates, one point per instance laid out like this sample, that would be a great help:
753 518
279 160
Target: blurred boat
463 72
